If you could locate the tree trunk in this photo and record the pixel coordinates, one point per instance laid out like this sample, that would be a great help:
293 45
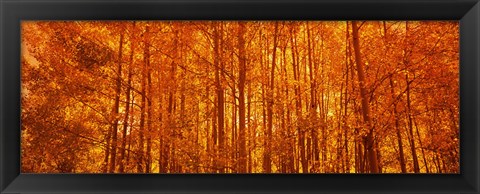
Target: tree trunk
116 106
241 100
251 133
234 131
345 106
395 112
267 166
421 146
264 67
298 103
130 131
313 88
416 167
220 95
401 157
107 151
148 161
127 105
140 152
370 142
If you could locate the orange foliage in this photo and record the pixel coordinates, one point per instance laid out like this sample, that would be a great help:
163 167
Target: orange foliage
240 97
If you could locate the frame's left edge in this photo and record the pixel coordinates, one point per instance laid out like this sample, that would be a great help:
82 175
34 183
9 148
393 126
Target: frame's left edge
9 101
3 182
1 99
477 183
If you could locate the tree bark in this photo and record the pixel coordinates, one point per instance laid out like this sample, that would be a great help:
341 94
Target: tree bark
220 96
395 112
148 161
416 167
116 106
140 152
298 102
370 142
241 100
401 157
127 105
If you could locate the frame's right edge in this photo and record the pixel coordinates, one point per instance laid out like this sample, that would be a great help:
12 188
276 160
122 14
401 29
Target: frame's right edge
470 96
2 149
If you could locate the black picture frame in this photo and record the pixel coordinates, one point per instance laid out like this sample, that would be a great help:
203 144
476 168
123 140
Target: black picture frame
14 11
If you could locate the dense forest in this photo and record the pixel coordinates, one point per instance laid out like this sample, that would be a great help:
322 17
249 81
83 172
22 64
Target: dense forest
240 97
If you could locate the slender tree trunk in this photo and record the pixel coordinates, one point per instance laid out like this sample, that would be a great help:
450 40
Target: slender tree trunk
401 157
267 167
149 114
234 132
323 102
345 106
107 151
161 131
298 103
115 107
416 167
357 139
130 132
241 100
313 89
264 65
421 146
250 134
289 134
370 142
140 152
209 120
220 96
127 104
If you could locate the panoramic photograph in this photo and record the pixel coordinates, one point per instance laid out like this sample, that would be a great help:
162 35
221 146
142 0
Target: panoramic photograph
240 97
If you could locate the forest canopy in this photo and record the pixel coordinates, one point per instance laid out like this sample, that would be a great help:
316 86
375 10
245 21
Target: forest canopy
240 97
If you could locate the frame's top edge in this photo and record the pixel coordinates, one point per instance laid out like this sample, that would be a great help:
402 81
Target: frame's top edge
251 1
